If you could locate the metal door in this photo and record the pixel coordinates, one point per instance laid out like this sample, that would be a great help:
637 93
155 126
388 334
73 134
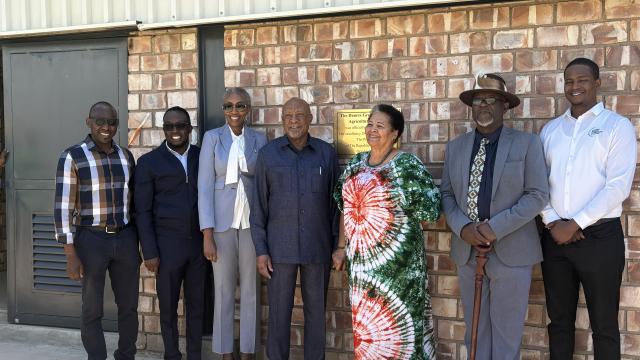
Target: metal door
48 89
211 116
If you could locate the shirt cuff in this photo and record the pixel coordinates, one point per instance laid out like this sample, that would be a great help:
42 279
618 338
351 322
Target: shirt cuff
583 220
65 238
206 225
261 248
150 253
549 216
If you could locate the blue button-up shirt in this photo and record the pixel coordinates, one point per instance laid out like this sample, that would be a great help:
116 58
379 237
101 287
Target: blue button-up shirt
294 218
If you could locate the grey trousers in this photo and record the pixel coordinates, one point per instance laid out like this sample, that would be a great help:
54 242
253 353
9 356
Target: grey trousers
505 296
236 255
314 282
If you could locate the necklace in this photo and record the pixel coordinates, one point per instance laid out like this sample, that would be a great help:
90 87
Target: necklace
383 159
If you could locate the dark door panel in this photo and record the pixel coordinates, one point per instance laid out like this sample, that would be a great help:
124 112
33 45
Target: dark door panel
51 117
48 89
43 287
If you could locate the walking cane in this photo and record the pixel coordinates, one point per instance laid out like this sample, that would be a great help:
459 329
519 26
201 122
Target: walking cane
481 260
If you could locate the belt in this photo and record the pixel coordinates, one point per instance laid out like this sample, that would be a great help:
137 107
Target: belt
109 229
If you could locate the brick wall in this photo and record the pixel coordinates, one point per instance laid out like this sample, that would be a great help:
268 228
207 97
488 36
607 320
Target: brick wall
163 72
421 60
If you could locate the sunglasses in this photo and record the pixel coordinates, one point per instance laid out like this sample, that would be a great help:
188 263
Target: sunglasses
102 122
488 101
176 127
228 107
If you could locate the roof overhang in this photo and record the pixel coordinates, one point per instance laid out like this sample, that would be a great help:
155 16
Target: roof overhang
20 34
274 12
388 5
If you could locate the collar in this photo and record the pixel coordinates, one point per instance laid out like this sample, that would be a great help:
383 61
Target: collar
493 137
593 112
234 136
186 152
283 141
91 145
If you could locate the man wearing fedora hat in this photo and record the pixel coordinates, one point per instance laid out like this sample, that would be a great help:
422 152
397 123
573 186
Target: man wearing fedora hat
493 185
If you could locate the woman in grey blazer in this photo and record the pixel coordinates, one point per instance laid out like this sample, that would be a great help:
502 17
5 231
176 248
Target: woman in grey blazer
225 180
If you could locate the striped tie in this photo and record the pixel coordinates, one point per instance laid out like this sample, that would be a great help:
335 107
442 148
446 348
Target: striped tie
475 177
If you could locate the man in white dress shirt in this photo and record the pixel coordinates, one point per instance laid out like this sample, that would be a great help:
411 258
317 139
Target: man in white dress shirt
591 157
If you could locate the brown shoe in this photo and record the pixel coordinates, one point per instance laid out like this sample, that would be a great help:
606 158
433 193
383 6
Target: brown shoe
247 356
227 356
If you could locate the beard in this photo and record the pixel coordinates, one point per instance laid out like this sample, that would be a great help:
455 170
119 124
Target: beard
484 121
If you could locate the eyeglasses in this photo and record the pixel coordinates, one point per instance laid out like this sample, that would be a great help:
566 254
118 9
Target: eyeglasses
296 117
488 101
103 122
176 127
228 107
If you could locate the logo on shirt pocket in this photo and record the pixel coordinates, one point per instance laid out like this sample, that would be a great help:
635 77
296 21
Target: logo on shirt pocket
595 131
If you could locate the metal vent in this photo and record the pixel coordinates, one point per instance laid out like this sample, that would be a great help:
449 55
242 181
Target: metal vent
49 261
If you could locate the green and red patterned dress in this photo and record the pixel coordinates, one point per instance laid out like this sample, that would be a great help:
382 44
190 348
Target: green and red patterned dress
388 284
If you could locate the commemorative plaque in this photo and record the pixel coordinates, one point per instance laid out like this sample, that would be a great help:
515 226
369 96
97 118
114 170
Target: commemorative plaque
349 131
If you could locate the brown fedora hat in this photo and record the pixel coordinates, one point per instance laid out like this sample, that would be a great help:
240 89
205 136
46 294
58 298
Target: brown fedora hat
491 83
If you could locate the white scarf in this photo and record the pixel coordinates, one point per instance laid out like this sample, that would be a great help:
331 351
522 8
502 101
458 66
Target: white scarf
238 161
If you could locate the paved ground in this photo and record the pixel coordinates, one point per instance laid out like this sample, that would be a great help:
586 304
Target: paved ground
21 351
24 342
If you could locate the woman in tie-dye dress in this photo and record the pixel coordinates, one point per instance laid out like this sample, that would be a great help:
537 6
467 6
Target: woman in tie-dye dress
384 195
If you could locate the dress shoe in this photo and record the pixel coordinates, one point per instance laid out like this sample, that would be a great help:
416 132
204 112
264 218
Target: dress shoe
247 356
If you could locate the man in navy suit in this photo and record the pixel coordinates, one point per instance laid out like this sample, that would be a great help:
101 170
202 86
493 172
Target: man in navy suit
166 201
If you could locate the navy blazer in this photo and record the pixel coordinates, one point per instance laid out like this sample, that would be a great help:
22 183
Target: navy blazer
166 201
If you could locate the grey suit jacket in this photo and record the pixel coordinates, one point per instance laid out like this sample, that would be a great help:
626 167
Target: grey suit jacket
215 199
520 191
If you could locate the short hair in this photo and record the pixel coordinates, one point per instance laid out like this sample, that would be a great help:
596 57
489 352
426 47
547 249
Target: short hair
99 106
595 69
238 91
294 100
177 109
396 117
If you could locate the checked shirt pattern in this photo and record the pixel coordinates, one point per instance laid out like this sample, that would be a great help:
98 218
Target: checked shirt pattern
475 176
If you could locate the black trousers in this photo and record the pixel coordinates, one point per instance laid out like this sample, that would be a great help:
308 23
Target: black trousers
181 262
118 253
314 282
597 262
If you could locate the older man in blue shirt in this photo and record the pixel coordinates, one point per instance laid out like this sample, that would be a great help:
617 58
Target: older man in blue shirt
294 226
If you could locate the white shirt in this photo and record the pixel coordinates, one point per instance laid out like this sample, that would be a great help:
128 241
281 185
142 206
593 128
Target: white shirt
591 161
181 157
236 162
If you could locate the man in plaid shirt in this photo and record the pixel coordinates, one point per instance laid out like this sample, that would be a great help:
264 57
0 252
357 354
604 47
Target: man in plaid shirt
92 217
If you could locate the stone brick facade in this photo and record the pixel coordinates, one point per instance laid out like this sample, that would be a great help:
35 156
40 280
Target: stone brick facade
163 72
418 60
